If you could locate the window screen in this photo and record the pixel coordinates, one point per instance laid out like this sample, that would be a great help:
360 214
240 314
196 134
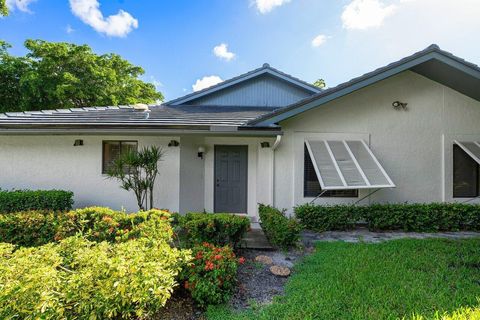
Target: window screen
466 173
311 186
113 149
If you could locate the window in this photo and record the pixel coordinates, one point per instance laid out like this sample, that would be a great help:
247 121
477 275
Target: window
466 173
113 149
311 186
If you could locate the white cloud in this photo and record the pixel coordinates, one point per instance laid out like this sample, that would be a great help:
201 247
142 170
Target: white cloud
69 29
21 5
265 6
118 25
206 82
319 40
222 52
365 14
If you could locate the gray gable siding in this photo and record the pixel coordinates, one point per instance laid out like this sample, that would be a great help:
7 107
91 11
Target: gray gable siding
262 91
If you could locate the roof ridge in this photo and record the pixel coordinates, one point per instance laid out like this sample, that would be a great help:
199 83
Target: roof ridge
265 66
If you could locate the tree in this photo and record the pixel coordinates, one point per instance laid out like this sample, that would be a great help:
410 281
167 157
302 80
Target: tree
320 83
57 75
137 172
3 8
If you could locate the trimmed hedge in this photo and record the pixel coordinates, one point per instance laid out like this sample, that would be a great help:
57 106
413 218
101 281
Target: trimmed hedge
35 228
216 228
430 217
25 200
280 230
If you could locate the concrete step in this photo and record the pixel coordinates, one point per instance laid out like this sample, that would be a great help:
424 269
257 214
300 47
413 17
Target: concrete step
255 239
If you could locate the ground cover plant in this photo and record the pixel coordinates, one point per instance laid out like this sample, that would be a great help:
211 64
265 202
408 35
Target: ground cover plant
410 279
429 217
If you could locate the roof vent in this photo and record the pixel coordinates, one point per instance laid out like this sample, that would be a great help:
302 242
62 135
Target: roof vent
266 65
140 107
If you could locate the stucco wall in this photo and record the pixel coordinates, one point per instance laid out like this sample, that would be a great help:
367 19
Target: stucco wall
191 175
409 144
52 162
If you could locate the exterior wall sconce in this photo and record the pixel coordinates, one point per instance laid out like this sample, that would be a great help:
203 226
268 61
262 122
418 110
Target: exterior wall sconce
201 151
78 143
265 144
173 143
397 105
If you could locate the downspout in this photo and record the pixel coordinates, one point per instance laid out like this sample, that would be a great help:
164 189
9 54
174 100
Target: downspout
275 145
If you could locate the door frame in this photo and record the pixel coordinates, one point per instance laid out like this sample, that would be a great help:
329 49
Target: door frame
215 175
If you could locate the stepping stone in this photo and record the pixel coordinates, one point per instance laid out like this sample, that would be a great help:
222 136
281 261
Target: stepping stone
264 259
280 271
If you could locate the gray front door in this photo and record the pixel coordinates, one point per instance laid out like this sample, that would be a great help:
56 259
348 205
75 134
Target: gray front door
231 179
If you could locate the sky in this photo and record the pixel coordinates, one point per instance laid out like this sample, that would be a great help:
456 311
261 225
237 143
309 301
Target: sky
188 45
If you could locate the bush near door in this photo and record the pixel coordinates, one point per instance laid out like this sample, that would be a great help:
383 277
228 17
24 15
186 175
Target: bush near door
217 228
280 230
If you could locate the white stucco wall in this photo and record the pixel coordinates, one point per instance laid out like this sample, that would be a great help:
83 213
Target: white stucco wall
192 195
413 146
52 162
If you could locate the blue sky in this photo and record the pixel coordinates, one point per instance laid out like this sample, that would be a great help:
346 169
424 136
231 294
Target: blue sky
175 41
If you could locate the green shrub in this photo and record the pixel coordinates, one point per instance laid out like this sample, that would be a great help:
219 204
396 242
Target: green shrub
25 200
211 277
323 218
104 224
34 228
280 230
80 279
29 228
429 217
217 228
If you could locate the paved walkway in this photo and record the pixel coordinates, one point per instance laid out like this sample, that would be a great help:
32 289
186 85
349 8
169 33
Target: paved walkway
364 235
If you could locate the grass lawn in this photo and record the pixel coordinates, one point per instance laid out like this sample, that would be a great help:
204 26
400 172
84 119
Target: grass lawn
390 280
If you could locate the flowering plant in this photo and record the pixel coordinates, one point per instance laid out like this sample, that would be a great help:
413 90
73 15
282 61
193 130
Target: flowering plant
211 277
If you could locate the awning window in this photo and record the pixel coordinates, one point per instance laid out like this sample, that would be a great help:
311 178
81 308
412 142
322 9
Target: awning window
347 164
472 148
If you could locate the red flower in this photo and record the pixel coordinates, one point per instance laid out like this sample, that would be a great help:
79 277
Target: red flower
186 285
241 260
199 255
209 266
218 257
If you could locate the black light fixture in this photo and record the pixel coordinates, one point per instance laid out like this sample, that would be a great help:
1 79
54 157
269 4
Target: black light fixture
201 151
173 143
265 144
78 142
398 105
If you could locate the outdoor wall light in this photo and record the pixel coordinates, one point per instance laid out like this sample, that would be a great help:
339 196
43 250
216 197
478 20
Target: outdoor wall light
78 143
201 151
265 144
397 105
173 143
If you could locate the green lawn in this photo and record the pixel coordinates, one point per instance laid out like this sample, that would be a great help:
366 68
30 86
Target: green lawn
390 280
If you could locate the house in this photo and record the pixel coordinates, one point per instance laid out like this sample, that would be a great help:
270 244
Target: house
406 132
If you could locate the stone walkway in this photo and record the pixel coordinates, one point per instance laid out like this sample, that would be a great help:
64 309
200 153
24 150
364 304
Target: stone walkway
364 235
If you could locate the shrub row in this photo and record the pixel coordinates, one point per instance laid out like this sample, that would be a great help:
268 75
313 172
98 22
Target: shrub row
34 228
80 279
280 230
211 277
408 217
217 228
24 200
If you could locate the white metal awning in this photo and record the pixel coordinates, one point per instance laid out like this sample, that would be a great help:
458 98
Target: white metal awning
347 164
472 148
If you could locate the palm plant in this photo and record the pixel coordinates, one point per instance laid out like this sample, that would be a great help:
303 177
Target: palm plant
137 172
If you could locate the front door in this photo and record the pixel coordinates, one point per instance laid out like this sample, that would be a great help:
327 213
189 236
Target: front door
231 179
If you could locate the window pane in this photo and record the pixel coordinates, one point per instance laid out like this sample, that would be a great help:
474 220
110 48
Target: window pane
113 149
311 186
465 174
